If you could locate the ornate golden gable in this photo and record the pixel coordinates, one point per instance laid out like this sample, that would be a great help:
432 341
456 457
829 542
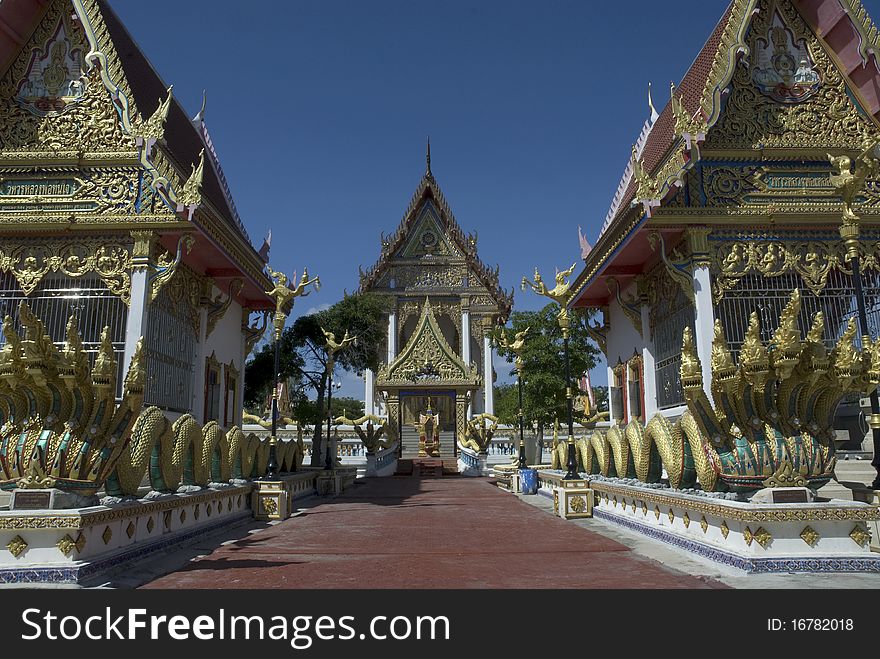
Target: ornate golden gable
428 360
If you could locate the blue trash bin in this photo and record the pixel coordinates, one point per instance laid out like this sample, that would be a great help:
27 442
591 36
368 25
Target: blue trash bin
528 479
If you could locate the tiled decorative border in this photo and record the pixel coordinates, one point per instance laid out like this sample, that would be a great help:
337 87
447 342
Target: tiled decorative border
753 565
77 573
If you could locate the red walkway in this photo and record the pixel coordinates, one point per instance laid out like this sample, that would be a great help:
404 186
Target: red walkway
426 533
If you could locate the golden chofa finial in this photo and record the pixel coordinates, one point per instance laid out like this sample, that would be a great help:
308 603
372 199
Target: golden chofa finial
691 369
786 345
723 366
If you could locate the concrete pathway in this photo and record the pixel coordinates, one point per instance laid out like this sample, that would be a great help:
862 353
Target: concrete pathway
426 533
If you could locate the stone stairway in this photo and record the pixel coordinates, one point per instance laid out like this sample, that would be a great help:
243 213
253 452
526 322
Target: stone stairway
409 438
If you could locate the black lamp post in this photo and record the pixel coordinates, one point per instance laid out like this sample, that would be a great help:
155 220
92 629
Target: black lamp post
571 462
328 462
849 183
849 231
522 443
283 296
272 464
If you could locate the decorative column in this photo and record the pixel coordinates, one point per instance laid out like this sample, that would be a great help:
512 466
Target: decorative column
392 336
610 376
199 384
704 314
138 309
466 339
649 381
369 392
488 367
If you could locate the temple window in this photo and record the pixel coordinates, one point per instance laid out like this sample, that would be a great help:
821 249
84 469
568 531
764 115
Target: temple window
57 297
668 322
769 295
634 387
170 353
212 389
618 394
230 414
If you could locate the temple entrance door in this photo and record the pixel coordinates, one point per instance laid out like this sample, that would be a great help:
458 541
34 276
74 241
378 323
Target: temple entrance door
414 406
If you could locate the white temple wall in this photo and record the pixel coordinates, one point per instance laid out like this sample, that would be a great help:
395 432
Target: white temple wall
226 345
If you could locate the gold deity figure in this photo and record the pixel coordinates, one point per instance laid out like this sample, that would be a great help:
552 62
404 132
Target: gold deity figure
516 346
282 294
848 181
559 293
333 346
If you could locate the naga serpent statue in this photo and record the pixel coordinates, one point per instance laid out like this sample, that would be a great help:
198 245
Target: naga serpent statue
63 428
771 423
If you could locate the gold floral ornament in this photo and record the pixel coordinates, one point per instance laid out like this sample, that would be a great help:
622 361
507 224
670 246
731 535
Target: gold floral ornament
578 504
62 426
166 268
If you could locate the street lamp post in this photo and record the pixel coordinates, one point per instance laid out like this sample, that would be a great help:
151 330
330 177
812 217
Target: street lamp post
332 347
560 294
516 348
849 183
328 462
283 295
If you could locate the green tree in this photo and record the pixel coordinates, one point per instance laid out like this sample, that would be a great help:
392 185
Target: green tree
544 398
304 361
362 315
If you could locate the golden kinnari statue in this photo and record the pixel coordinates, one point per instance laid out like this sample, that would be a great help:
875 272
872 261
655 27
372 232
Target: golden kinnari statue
559 293
516 346
849 181
333 346
282 294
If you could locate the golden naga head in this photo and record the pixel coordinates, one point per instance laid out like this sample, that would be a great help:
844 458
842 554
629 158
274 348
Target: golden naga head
723 367
754 360
691 369
785 349
847 358
815 354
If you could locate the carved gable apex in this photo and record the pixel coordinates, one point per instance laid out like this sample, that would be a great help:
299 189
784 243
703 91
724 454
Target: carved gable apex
55 97
427 359
428 238
791 78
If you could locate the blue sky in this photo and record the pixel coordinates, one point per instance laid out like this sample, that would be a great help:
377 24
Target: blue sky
319 111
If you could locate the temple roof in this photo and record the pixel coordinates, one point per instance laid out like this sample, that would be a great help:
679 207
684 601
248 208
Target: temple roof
665 152
428 189
184 138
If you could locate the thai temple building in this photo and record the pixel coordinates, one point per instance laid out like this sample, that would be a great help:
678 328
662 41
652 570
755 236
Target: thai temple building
730 200
443 304
114 209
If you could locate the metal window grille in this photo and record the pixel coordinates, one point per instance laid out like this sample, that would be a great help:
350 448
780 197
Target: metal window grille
768 296
59 296
669 324
170 355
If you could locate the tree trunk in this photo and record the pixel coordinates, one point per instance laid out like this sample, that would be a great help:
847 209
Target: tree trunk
318 448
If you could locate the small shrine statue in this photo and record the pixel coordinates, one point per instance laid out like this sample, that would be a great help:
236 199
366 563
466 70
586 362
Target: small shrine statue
428 427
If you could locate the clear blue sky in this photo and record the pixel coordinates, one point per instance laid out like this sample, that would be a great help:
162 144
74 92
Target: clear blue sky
319 111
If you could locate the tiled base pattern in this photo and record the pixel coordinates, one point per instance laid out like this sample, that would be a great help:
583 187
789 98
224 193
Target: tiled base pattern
754 565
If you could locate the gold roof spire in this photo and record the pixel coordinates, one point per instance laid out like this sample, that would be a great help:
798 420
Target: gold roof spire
428 173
